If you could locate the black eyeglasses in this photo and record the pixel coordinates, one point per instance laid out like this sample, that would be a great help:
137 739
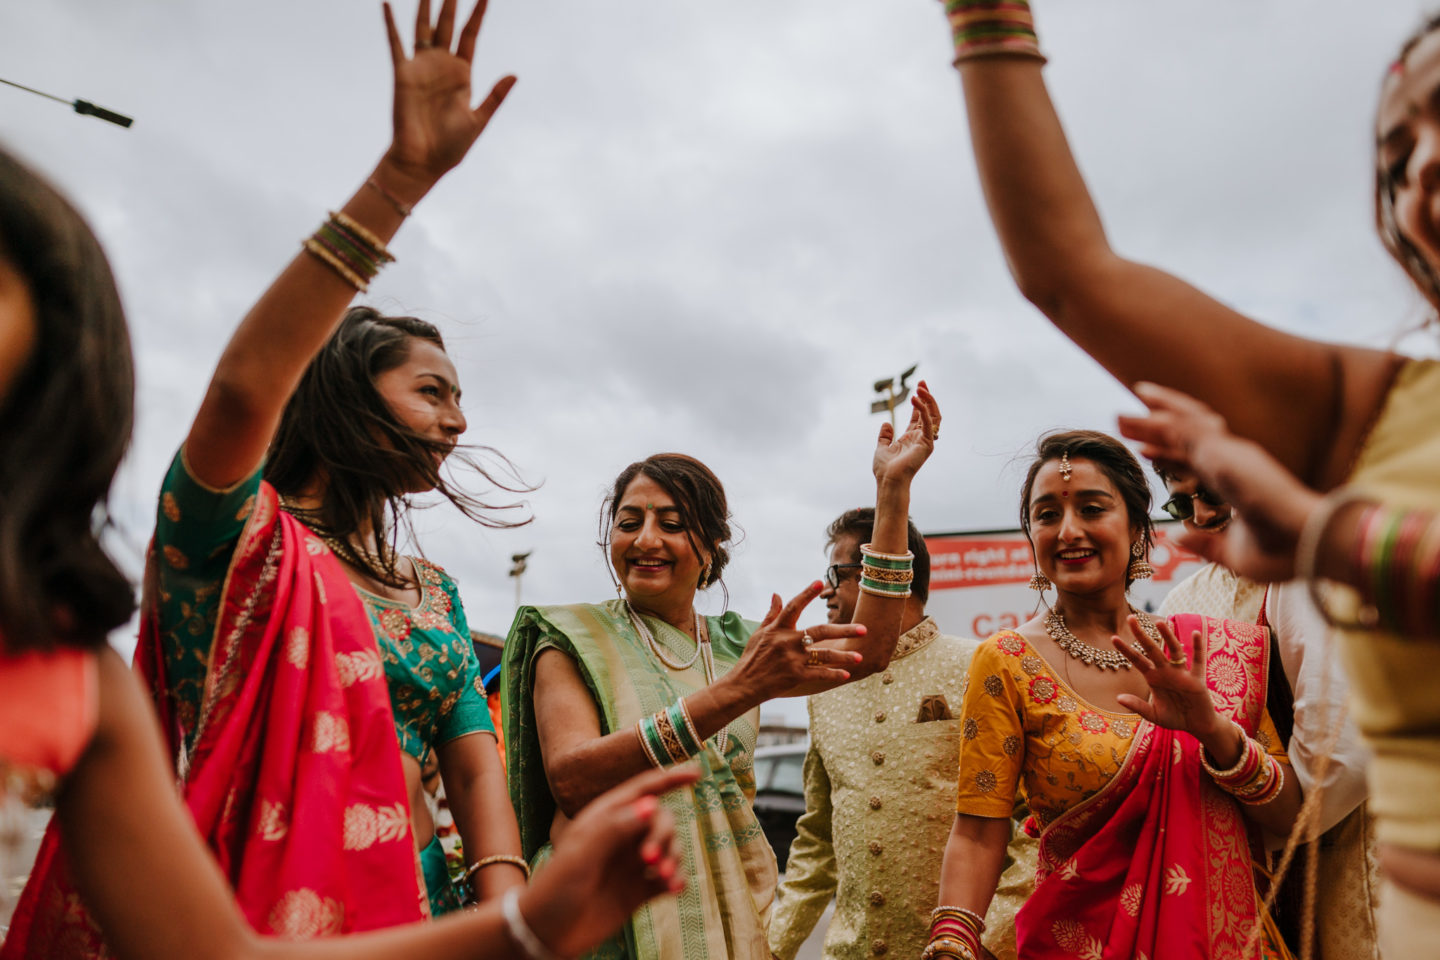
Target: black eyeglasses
1182 505
832 573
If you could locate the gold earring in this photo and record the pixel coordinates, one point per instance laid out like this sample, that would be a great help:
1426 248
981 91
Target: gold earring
1140 568
1040 583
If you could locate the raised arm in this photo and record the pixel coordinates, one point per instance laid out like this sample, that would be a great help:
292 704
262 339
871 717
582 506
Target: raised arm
1141 323
434 127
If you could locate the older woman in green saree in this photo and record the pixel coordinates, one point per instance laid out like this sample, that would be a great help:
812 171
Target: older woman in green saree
599 692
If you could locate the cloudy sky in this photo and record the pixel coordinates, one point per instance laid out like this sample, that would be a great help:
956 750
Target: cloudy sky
709 229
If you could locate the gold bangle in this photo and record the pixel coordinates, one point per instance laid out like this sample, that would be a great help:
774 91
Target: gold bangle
490 861
378 247
317 249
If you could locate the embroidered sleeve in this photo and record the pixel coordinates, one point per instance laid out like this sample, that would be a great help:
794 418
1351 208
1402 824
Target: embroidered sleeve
1269 738
470 713
196 530
992 736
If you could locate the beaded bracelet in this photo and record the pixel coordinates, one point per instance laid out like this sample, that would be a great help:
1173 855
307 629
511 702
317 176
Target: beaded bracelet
986 28
946 947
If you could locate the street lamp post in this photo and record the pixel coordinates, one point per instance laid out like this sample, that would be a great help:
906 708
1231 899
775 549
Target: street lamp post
517 570
896 390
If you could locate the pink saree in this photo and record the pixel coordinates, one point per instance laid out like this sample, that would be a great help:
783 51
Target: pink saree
1157 864
295 779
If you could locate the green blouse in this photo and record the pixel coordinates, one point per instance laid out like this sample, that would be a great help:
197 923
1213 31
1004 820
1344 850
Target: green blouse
434 678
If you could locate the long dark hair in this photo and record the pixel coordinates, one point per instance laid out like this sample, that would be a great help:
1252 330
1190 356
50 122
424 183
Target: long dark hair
1112 457
1421 273
336 426
699 497
67 419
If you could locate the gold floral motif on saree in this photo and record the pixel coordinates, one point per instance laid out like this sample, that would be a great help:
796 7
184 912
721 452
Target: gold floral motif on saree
306 915
367 825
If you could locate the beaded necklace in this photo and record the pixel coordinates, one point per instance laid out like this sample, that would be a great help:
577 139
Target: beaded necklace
1093 656
703 653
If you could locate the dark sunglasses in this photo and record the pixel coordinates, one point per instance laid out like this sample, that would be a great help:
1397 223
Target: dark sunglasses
832 573
1182 505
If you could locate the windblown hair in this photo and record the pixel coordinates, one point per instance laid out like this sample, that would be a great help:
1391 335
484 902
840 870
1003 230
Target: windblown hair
1405 253
337 428
698 495
1112 457
67 420
860 523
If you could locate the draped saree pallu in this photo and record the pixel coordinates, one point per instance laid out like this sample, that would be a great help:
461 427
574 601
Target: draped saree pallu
1156 866
730 869
294 780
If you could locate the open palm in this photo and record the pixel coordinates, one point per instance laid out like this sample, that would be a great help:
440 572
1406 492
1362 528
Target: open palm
434 122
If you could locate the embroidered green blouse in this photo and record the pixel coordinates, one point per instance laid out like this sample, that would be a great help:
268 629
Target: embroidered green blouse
434 678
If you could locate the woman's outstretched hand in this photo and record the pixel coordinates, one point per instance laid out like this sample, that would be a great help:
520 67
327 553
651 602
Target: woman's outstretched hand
899 458
434 122
781 656
1179 699
1182 434
618 853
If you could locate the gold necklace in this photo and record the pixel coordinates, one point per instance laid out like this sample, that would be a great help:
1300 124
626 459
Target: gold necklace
344 549
1093 656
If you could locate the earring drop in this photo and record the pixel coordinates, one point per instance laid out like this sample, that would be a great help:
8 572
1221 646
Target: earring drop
1140 568
1040 583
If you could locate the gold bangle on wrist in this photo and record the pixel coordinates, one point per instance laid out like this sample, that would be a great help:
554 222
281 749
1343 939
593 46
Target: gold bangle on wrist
490 861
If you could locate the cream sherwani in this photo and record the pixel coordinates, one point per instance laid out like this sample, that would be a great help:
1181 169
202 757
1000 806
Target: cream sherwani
880 800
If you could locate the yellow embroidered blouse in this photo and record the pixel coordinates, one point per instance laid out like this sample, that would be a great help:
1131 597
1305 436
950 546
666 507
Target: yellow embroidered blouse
1023 728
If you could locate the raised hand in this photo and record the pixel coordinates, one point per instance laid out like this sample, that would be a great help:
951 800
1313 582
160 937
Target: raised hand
618 853
1270 504
434 122
1179 699
898 458
781 656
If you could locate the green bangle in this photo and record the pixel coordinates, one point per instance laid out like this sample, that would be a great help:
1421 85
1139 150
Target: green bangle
650 741
680 720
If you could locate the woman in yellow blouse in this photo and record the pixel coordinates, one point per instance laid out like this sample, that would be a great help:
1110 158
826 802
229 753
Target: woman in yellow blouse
1130 755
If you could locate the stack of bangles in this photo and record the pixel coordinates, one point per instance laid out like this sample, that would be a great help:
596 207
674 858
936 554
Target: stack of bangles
669 736
954 932
1256 777
354 253
988 28
886 574
1395 557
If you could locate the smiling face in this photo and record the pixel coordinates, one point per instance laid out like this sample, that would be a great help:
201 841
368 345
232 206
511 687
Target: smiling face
650 549
1080 528
424 395
1408 131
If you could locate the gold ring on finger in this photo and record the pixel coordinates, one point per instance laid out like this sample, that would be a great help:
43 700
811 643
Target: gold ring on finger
806 639
1176 661
812 659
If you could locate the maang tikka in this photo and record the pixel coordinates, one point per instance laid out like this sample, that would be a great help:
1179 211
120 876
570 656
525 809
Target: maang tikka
1065 470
